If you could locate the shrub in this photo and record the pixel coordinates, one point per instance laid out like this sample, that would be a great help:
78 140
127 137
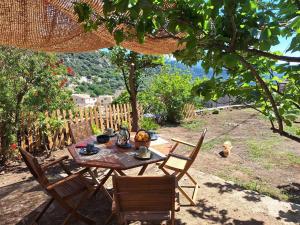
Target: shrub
168 94
148 124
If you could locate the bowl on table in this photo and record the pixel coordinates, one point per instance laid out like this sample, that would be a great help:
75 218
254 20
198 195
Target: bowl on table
142 138
104 138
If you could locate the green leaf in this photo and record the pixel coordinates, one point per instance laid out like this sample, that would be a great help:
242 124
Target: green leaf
295 44
230 60
119 36
83 10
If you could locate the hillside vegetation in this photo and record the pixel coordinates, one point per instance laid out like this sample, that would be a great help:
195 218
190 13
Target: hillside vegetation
93 73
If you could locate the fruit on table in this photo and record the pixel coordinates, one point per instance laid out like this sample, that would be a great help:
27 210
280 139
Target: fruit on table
142 136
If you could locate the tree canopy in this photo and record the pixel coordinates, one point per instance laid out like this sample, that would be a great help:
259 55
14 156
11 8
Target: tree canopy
233 34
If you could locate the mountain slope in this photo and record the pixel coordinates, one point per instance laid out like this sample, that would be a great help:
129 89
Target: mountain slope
94 74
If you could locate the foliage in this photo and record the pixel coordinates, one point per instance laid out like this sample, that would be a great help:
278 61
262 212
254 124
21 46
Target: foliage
95 129
167 95
145 66
148 124
94 74
30 82
242 86
230 34
134 68
122 98
194 124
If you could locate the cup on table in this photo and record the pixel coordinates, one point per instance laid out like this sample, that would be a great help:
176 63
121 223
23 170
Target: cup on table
143 150
89 148
110 131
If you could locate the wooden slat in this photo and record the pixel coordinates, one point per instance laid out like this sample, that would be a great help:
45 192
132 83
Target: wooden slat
110 117
106 117
59 130
81 114
118 115
86 114
54 135
101 118
115 122
96 117
92 116
125 113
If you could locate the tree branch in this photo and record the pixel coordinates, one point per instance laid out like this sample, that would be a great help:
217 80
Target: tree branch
293 102
125 80
273 56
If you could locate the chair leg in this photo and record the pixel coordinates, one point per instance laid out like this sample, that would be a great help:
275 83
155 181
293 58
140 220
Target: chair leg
186 196
73 210
196 187
192 179
172 217
93 175
38 217
164 170
109 218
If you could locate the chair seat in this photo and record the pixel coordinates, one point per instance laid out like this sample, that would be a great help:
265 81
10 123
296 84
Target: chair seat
175 163
73 187
147 216
177 204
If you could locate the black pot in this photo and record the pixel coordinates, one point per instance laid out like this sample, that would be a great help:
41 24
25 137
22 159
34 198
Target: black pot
101 139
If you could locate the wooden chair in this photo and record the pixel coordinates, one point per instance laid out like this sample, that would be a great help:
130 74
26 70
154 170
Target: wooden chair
80 131
144 198
179 165
63 190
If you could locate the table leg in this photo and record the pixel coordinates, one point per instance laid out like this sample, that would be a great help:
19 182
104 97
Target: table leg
104 179
121 173
142 171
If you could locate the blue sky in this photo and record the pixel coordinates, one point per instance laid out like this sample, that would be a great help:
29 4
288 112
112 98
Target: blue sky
283 46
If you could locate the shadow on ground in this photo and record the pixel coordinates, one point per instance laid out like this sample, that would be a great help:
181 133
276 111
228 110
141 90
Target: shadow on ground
228 188
293 191
219 216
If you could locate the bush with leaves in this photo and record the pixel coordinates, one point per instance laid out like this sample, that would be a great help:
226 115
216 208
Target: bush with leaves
147 123
30 82
167 95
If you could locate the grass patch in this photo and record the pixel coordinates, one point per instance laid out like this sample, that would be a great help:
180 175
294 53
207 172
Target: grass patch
216 142
293 158
269 154
257 186
294 130
193 124
265 189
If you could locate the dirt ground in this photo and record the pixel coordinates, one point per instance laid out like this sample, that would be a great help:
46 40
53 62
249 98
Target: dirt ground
276 173
260 160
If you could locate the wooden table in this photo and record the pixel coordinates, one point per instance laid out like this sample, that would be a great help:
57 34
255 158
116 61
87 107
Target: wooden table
118 159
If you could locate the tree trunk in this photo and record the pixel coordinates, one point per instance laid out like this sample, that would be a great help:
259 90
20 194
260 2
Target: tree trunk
18 117
266 91
133 99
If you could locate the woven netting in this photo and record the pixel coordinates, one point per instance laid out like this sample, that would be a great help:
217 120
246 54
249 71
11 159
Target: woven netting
51 25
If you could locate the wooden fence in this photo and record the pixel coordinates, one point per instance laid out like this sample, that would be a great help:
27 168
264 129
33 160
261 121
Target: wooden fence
36 134
55 132
189 111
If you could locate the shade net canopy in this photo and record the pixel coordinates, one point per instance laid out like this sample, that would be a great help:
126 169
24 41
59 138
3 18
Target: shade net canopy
51 25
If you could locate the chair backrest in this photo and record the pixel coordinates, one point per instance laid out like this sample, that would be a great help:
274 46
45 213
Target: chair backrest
196 150
80 131
144 193
34 167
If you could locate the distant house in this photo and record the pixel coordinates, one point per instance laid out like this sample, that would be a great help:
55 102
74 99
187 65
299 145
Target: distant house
105 99
84 100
